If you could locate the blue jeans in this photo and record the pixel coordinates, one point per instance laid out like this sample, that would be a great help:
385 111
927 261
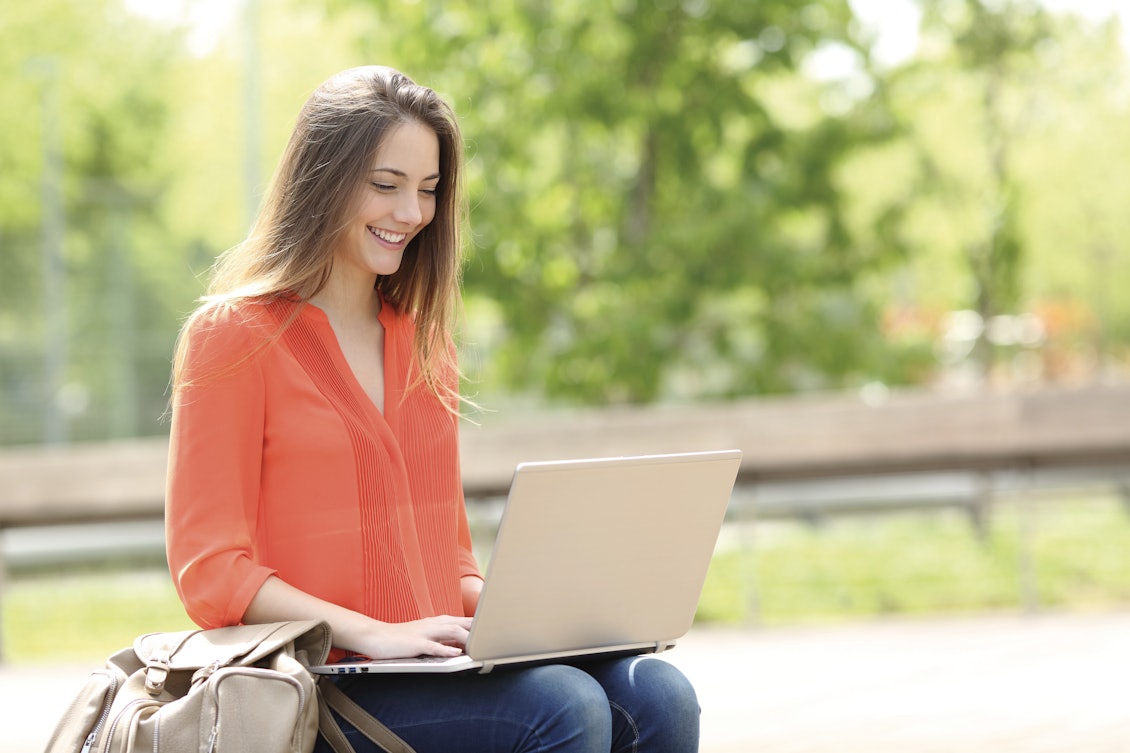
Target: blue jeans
626 705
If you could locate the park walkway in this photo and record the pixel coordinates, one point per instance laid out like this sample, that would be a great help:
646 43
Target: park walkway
1004 684
996 684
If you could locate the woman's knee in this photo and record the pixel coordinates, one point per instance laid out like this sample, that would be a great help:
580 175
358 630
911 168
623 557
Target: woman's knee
661 684
574 707
656 707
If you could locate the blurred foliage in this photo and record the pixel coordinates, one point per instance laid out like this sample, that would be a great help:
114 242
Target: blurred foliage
106 98
671 200
648 219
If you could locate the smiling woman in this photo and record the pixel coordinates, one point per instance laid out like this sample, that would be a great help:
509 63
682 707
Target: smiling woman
401 200
314 460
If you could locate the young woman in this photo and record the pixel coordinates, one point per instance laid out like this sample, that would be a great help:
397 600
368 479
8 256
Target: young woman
314 466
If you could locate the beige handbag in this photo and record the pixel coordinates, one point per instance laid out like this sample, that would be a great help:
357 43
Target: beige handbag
241 689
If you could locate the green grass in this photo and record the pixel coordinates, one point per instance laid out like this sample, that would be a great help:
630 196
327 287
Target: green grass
86 616
780 573
1067 554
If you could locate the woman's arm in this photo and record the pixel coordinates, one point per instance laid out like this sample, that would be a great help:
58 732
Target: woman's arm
215 456
277 600
470 586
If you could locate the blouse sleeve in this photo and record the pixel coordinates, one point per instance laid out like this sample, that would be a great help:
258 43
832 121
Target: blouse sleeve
215 455
468 565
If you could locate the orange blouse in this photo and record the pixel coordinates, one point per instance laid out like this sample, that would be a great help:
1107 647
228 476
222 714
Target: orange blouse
281 464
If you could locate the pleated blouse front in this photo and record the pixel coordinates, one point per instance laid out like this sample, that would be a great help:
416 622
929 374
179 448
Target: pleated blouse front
281 464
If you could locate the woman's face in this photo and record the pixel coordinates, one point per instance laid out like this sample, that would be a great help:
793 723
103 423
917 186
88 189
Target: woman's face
397 202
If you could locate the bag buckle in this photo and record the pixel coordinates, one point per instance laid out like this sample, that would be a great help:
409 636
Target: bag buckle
156 672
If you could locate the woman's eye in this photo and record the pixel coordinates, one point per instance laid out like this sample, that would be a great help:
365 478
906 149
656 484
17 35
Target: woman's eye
384 187
429 191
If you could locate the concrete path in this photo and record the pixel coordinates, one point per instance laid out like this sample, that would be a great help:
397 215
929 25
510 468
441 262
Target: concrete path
1001 684
1010 684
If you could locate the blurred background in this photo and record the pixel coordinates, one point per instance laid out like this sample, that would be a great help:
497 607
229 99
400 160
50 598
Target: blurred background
672 201
674 204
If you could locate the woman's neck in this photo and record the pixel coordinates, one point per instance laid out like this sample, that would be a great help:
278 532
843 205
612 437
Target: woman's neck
354 300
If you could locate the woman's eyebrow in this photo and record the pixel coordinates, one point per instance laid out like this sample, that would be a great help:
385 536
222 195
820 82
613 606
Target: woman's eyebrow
401 173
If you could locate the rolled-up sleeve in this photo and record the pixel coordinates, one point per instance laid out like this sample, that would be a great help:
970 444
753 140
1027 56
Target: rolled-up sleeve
215 460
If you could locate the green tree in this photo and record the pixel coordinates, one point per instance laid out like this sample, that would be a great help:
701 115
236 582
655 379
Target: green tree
656 202
670 200
1075 222
979 60
1011 120
81 177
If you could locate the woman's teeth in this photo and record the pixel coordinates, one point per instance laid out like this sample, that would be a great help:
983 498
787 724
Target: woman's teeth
385 235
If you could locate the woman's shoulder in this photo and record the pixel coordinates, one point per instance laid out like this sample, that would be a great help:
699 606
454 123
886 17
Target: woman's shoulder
250 316
225 328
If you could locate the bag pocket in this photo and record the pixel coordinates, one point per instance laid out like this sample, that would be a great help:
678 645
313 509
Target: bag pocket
133 728
86 716
253 709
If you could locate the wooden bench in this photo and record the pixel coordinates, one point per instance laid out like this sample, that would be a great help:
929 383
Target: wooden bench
808 455
783 440
814 456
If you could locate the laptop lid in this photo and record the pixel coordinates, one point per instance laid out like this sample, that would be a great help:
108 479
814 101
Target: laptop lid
604 552
596 556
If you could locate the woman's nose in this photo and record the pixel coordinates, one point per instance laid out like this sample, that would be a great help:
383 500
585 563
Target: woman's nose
409 211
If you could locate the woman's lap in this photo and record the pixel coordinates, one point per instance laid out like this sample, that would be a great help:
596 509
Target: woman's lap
627 705
654 707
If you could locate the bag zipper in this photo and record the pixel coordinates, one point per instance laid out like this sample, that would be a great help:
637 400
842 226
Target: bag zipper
102 717
131 709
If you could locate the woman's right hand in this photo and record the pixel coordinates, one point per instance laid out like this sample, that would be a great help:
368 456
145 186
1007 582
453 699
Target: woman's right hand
445 635
435 636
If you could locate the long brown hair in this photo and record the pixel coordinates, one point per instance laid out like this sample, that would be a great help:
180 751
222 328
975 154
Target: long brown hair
289 251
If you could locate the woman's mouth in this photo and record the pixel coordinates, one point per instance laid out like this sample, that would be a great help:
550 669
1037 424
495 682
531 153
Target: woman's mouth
388 236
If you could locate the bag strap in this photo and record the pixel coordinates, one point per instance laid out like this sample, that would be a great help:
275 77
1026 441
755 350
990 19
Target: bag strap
330 696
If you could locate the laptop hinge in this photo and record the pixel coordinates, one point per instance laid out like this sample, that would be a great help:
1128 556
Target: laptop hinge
661 646
486 668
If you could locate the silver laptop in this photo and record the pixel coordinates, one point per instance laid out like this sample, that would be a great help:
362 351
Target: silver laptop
592 557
